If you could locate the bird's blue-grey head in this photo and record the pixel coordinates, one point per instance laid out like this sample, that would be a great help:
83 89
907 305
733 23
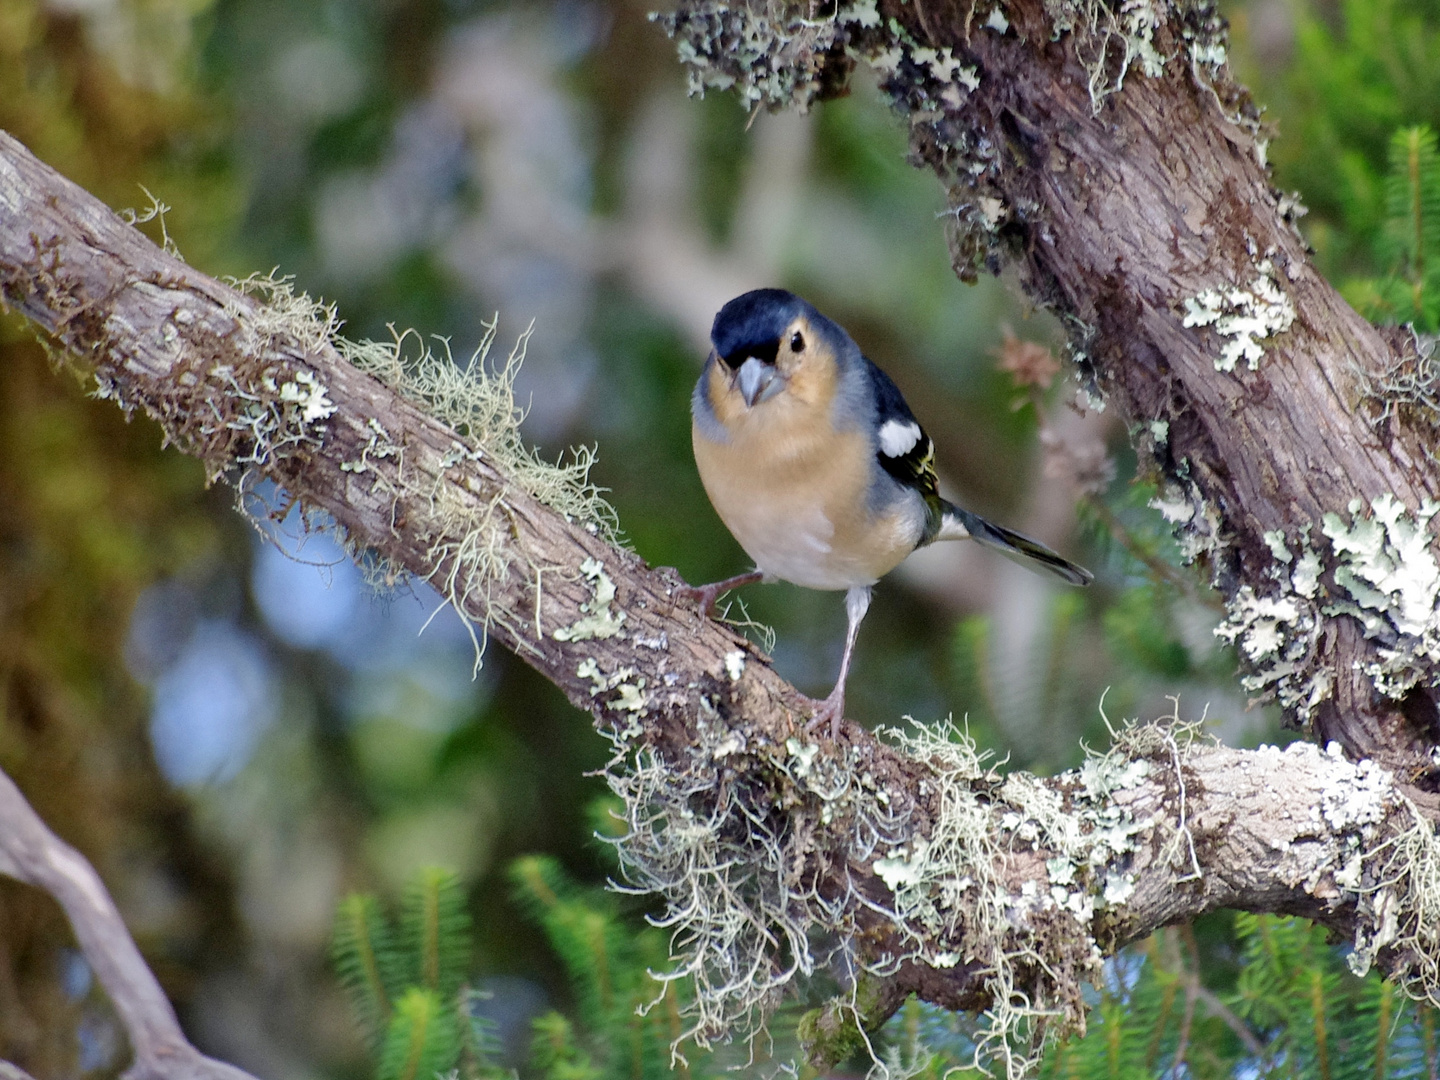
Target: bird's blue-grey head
749 332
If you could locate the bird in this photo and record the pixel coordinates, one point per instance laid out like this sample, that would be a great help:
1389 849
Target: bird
815 463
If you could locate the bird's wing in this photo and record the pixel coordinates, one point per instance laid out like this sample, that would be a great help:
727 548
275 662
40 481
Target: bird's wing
901 445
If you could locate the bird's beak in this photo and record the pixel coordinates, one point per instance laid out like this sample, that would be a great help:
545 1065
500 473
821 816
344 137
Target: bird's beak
753 379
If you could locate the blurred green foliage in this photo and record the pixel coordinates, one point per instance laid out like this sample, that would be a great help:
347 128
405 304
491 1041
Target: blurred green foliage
419 1025
1355 109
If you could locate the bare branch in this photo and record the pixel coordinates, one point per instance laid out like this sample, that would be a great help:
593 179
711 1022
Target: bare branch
30 852
9 1071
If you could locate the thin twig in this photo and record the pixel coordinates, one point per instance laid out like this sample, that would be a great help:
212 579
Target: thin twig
1212 1001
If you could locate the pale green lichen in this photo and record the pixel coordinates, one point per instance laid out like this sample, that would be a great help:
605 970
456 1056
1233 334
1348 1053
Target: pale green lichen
599 621
1278 631
1387 570
1196 521
380 447
1247 317
1385 576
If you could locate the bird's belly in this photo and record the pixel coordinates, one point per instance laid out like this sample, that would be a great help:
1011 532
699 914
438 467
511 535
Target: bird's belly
791 546
809 529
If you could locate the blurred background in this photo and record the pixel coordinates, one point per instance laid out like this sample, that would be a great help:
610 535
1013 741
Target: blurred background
238 731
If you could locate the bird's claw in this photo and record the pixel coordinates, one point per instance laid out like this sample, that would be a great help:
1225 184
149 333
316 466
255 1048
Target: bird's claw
832 709
703 596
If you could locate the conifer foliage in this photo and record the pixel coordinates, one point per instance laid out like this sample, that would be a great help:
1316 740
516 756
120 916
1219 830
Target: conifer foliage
409 984
405 981
1294 1011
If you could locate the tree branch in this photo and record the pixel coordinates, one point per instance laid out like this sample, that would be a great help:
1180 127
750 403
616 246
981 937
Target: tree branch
11 1071
936 875
30 852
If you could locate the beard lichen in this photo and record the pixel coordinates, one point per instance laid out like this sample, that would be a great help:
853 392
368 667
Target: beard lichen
244 414
742 837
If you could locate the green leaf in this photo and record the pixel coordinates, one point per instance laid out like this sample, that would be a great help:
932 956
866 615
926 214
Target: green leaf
423 1039
363 951
435 932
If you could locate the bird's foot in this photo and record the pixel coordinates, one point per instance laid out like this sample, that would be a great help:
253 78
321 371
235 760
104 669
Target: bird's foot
832 709
704 596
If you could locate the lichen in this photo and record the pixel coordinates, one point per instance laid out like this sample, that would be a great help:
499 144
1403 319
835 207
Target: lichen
1277 630
774 59
1386 568
1196 521
732 831
1379 852
1247 317
1385 576
470 548
1407 389
1104 31
598 620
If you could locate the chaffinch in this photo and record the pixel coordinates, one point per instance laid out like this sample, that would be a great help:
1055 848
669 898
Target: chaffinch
817 466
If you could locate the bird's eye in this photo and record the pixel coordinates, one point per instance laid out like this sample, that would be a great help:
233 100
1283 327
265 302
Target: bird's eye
797 341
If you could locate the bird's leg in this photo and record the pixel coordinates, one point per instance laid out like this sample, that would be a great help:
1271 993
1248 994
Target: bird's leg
857 602
704 596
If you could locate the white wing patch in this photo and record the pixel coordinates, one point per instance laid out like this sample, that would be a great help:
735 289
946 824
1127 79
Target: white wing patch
898 437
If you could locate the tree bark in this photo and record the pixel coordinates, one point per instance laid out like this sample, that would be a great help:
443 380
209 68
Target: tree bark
943 878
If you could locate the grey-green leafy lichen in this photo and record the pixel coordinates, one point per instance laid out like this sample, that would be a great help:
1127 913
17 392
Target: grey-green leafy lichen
1385 575
1388 577
1246 317
774 58
597 619
1278 633
1196 521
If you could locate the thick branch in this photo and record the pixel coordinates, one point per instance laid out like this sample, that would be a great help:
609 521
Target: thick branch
756 835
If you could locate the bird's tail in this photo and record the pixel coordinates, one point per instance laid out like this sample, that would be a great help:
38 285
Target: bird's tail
958 524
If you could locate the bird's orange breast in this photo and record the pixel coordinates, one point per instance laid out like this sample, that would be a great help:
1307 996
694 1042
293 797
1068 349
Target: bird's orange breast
795 493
